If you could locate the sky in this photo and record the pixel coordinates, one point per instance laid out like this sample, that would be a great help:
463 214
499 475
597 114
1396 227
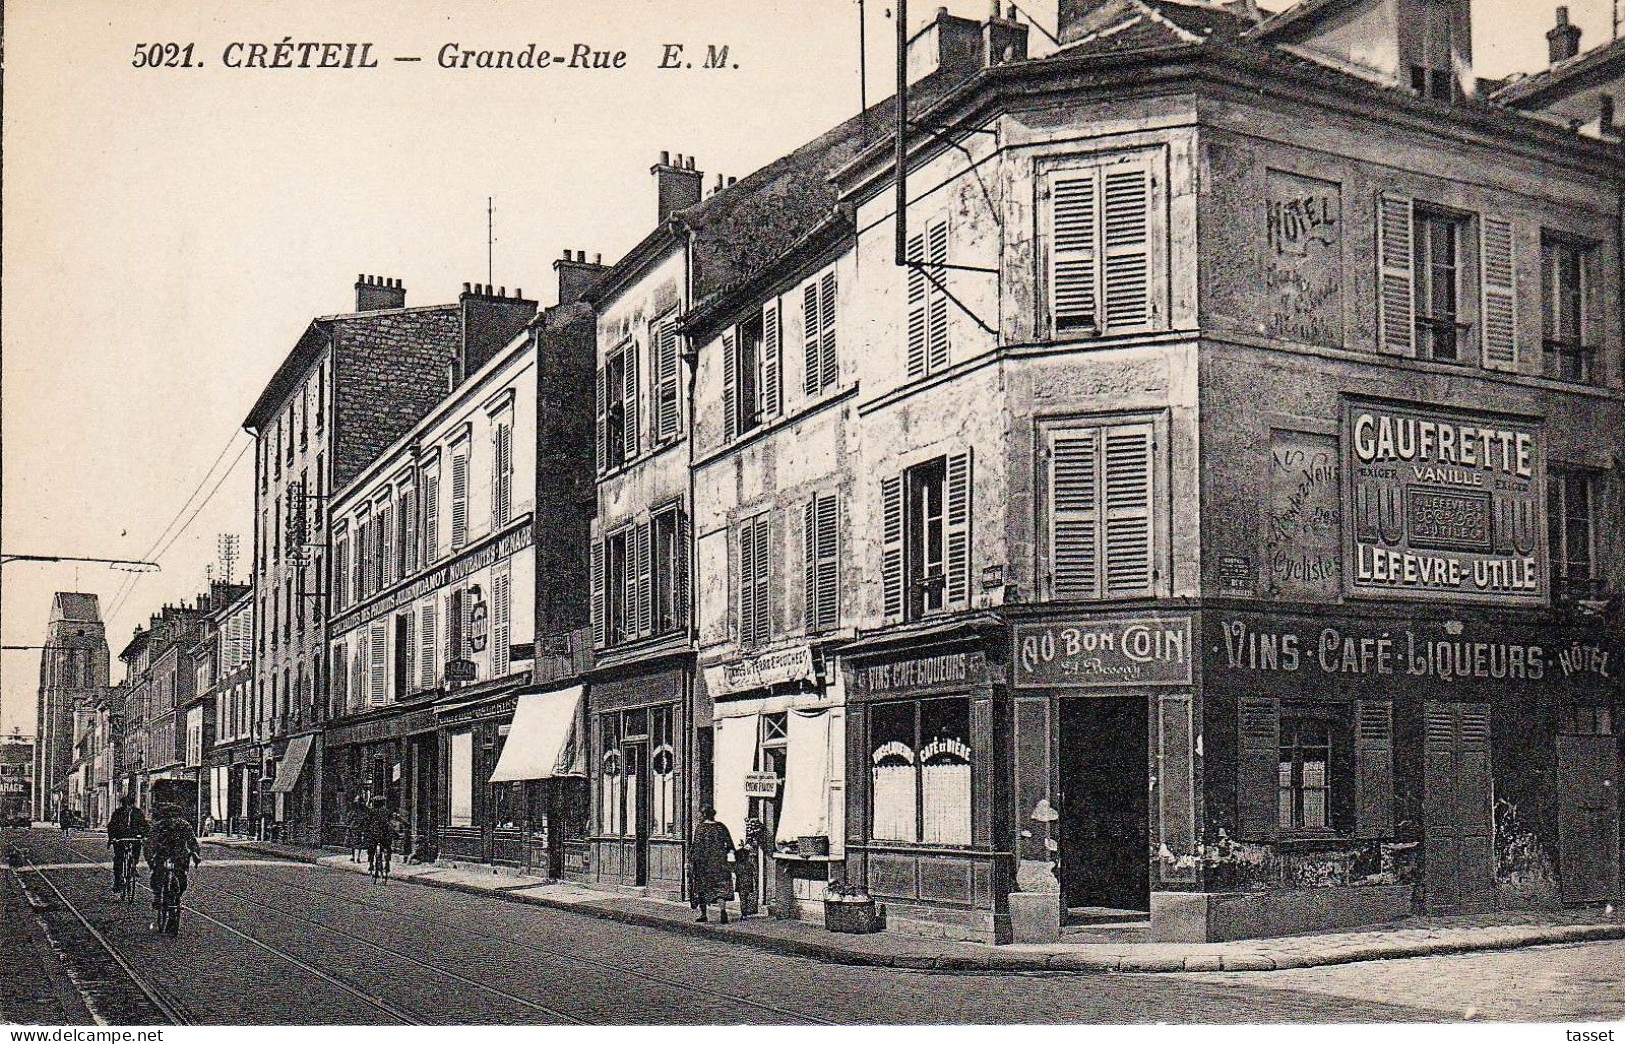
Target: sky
168 232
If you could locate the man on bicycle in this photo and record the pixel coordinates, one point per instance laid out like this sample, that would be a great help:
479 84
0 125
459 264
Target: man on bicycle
171 847
125 832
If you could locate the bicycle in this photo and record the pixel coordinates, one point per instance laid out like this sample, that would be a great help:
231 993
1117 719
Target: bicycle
378 860
171 885
126 854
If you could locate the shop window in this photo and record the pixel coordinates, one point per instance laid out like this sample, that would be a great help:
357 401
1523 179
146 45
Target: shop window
462 779
921 771
1570 498
663 773
611 779
1568 272
1313 770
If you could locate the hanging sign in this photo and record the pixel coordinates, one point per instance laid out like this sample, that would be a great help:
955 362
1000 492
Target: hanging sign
761 784
460 670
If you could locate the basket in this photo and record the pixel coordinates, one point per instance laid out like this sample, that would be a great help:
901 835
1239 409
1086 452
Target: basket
812 845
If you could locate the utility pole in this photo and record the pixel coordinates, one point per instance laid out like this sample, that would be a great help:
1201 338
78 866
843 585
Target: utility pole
490 239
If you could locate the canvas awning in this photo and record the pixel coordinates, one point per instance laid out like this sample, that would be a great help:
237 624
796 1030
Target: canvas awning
544 740
806 776
733 755
293 763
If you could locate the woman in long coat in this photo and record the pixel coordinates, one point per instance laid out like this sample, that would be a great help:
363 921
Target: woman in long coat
708 869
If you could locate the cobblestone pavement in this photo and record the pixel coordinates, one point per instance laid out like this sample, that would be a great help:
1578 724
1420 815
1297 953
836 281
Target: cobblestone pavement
282 942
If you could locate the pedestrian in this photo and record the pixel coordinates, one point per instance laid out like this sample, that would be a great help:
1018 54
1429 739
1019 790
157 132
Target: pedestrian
355 820
708 865
66 820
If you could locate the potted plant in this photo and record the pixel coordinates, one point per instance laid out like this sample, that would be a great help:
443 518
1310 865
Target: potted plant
850 909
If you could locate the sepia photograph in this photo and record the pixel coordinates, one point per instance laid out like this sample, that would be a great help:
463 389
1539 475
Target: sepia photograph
1105 515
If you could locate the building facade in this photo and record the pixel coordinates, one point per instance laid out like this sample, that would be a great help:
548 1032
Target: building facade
16 780
73 671
230 758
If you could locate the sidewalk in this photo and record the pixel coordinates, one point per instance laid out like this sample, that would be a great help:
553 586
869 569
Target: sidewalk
1414 937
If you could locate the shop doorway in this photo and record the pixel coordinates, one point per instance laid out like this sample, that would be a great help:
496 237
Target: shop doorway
1104 808
1588 817
637 817
1457 810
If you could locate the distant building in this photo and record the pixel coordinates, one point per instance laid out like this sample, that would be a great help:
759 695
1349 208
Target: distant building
73 670
1580 88
16 778
226 678
158 685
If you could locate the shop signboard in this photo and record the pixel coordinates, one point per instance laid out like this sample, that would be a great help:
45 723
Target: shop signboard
1090 652
761 784
956 670
760 671
460 670
1444 504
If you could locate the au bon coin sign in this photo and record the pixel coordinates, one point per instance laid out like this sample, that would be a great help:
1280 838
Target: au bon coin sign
1104 651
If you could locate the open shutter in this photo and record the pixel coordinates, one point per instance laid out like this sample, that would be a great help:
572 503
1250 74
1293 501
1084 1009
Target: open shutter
1127 537
602 440
747 582
1374 768
730 385
916 305
504 483
643 600
501 631
375 695
1396 304
958 510
1499 298
408 652
459 501
680 586
629 400
764 581
809 538
1074 251
827 525
937 303
665 382
1258 768
1074 514
772 361
598 593
891 549
1127 243
431 519
427 646
826 321
810 334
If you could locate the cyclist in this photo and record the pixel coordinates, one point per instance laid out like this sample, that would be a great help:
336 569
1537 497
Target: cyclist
171 847
125 832
379 832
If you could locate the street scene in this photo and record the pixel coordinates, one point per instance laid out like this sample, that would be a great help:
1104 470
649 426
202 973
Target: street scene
1085 511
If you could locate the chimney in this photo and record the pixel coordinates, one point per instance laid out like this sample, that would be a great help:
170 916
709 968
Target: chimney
373 293
950 45
1563 40
677 184
577 275
1003 39
491 318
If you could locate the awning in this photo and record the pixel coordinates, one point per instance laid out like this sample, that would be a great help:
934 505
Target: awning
733 755
806 776
293 762
545 738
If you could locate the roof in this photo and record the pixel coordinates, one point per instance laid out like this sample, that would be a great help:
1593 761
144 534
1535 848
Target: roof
1293 15
72 605
1133 25
1577 73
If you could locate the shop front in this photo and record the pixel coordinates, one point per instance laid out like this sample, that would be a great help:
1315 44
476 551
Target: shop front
380 756
778 778
639 727
928 821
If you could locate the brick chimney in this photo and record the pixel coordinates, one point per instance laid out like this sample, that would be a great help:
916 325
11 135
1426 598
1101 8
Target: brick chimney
678 185
948 44
491 318
1563 40
1003 38
577 274
373 293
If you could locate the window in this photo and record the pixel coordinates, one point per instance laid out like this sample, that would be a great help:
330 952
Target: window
1567 270
459 495
925 532
755 579
1101 259
741 374
927 299
1570 497
1304 800
821 542
1436 278
341 568
1587 720
404 539
276 531
1315 768
612 789
617 407
925 539
276 450
667 417
360 585
287 426
501 471
1101 486
304 420
320 405
669 570
609 588
818 333
640 579
462 779
341 677
663 773
404 646
920 757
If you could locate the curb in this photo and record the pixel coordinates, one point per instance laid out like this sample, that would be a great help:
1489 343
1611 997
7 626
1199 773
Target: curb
997 961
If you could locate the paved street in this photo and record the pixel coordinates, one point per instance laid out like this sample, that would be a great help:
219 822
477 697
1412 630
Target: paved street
268 941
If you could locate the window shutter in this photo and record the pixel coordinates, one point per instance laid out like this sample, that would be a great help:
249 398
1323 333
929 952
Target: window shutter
1073 253
645 589
891 549
747 583
431 519
730 385
764 577
827 526
1074 515
1499 296
358 672
1258 764
680 587
630 400
957 498
598 593
459 499
427 645
937 307
375 696
454 625
809 536
1127 243
1396 305
811 327
408 654
602 439
1127 510
501 638
666 414
501 481
386 563
916 305
1374 768
826 320
772 361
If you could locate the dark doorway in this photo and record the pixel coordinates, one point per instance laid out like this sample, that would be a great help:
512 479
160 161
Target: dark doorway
1104 808
637 796
1457 823
1588 818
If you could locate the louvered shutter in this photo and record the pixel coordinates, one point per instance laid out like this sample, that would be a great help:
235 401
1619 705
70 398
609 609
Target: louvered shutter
427 646
680 586
1074 514
917 284
1396 303
501 638
375 695
454 625
386 529
1373 768
937 303
598 593
341 678
501 480
811 333
958 498
431 519
828 581
629 399
891 548
1126 503
747 583
602 398
408 654
772 386
643 601
666 414
1499 296
459 499
1258 768
1127 247
809 537
763 578
730 385
826 321
1074 252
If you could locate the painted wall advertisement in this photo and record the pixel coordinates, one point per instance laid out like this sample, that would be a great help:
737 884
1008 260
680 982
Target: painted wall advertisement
1305 260
1087 653
1305 524
1444 504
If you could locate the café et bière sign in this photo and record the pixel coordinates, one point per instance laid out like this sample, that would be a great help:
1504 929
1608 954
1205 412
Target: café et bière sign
1444 504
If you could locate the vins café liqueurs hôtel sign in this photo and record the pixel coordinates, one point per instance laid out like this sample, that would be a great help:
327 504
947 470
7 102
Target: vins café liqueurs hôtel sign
1444 504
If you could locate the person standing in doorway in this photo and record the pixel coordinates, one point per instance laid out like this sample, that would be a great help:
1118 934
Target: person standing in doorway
708 865
355 819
